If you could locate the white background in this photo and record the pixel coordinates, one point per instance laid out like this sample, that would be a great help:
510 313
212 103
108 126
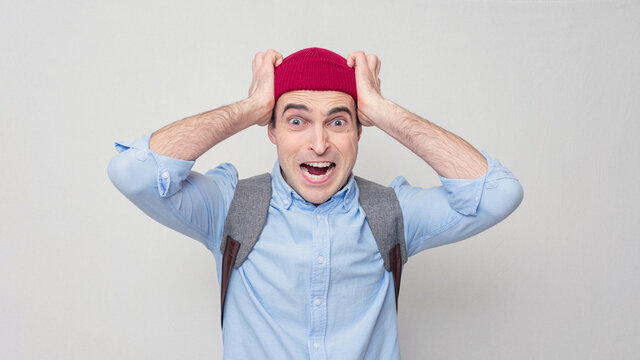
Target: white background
550 88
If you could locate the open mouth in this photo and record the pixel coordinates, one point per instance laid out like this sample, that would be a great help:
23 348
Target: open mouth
317 171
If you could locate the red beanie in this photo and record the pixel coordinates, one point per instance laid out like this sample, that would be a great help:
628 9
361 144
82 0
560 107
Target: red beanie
314 69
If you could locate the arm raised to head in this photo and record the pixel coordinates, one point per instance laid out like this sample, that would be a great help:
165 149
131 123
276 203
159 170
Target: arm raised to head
191 137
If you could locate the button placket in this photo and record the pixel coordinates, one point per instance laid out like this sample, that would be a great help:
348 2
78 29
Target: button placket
319 279
317 350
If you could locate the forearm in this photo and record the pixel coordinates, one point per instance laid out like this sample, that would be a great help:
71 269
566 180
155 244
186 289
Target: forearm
448 154
191 137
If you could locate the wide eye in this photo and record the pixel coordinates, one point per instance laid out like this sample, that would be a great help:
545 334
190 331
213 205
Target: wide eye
295 121
337 122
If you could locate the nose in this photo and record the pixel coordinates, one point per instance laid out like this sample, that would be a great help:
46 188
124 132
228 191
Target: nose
319 141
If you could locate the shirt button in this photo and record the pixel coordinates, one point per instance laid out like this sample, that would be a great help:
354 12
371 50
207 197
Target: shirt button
320 259
318 302
319 217
316 345
347 201
165 175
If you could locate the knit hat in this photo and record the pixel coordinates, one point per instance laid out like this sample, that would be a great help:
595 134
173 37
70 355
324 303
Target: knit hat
314 69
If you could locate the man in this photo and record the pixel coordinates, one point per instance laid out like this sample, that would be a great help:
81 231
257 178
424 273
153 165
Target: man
314 285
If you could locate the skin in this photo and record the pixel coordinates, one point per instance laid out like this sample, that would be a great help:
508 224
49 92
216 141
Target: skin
189 138
448 154
315 135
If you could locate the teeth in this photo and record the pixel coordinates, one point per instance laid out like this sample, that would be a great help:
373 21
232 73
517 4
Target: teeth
316 177
319 164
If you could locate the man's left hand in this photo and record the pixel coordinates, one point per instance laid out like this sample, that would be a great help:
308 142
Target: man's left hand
371 105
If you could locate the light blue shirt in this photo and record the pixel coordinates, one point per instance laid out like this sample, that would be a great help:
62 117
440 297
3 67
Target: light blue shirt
314 286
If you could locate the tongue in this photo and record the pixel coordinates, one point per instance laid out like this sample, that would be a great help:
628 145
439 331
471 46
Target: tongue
316 170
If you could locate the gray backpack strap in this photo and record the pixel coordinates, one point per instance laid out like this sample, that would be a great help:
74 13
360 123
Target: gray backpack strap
245 220
248 214
384 216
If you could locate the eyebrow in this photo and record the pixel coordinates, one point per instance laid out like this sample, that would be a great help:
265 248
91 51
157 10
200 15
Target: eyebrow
302 107
339 109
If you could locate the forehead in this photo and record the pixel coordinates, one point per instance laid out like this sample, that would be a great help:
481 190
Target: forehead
315 101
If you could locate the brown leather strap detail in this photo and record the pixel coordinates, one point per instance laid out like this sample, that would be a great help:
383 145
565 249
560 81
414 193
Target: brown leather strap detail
228 260
395 258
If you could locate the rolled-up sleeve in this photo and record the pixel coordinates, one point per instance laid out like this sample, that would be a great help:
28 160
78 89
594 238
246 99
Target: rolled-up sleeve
171 193
458 209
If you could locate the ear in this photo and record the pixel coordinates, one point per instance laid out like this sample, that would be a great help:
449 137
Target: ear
272 134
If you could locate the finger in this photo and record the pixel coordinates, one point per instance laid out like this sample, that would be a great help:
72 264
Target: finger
349 61
372 62
273 57
258 58
352 58
356 58
279 58
378 65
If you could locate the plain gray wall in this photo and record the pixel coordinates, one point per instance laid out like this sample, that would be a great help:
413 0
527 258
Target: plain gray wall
550 88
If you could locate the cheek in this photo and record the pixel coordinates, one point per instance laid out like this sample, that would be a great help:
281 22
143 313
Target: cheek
349 148
288 147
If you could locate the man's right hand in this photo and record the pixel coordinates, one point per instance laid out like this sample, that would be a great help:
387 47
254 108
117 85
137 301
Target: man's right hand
262 84
190 137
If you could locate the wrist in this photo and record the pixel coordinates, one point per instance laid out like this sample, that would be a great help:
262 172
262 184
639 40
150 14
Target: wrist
255 111
378 113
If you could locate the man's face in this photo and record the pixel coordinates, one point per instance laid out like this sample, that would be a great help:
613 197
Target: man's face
316 135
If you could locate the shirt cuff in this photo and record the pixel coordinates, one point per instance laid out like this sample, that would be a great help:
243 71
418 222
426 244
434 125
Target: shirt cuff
464 194
170 171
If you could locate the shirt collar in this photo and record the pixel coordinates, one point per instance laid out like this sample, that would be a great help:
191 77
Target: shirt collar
286 196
